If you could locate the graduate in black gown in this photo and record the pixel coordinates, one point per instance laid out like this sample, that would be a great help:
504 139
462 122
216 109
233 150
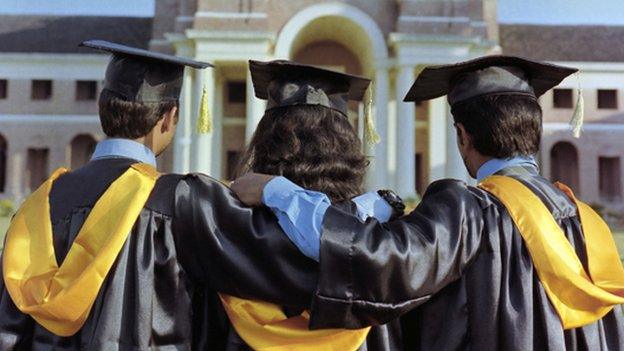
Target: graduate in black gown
74 279
517 263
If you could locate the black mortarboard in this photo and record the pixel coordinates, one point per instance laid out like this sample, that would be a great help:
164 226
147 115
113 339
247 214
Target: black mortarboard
140 75
286 83
488 75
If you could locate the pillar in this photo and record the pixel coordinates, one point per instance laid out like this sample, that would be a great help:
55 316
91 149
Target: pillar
377 177
255 110
455 167
182 140
201 149
405 140
437 139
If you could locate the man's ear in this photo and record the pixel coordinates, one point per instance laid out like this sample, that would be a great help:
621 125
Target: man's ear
169 120
463 138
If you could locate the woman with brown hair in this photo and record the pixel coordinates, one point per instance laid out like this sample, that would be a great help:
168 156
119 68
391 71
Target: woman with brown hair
306 137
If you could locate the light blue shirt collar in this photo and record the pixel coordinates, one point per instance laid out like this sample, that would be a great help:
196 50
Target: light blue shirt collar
124 148
496 164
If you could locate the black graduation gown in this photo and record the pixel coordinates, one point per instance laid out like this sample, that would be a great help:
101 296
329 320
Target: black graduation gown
193 238
458 269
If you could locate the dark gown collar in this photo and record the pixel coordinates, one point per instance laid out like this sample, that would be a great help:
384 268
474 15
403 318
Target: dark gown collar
555 200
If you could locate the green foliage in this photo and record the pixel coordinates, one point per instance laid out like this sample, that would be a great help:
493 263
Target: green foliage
7 208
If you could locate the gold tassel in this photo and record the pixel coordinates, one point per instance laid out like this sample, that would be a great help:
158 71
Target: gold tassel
204 122
370 134
579 114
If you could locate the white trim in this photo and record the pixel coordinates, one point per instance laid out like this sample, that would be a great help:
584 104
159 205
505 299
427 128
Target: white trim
291 30
234 121
71 119
53 66
587 127
231 15
185 18
434 19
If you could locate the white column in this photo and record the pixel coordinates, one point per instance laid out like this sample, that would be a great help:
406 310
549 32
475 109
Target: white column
377 177
201 150
454 163
255 110
16 172
437 139
182 140
217 128
406 114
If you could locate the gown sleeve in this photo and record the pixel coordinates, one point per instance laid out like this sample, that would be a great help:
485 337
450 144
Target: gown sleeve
371 273
238 250
15 326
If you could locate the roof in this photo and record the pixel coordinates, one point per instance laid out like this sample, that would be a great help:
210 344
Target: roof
564 43
47 34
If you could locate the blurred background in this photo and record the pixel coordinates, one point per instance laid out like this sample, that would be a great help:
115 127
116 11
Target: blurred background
49 86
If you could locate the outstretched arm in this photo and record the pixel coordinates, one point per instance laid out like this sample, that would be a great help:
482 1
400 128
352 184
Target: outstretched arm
371 272
238 250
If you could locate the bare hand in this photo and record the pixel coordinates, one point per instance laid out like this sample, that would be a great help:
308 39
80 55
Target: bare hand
249 188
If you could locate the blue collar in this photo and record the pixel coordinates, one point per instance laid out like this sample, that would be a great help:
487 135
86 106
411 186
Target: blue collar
124 148
496 164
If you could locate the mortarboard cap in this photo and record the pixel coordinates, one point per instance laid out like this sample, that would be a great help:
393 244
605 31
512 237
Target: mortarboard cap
143 76
286 83
488 75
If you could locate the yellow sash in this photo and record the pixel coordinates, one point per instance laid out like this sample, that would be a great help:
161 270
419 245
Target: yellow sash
578 297
265 327
60 299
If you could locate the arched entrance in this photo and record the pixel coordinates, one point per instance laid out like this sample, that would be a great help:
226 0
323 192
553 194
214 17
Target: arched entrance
81 149
564 165
344 38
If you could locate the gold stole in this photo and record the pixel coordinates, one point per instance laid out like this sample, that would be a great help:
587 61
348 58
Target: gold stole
265 327
579 297
60 298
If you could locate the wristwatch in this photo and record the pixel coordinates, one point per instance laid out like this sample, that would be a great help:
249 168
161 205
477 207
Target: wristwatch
395 201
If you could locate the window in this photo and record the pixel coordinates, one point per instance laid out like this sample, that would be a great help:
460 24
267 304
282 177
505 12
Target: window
236 92
607 99
86 90
609 178
3 89
82 147
233 157
37 167
562 98
41 89
564 165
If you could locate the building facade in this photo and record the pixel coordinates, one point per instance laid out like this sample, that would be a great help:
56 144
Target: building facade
389 41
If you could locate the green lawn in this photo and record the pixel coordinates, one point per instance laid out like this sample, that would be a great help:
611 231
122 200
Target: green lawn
619 241
4 224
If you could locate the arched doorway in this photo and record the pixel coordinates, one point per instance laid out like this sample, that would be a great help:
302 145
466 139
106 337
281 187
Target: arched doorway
3 162
564 165
82 147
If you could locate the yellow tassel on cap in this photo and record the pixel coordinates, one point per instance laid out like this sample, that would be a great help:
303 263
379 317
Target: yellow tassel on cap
579 114
204 122
370 133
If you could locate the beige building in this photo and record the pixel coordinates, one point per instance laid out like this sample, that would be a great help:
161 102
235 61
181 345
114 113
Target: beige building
387 40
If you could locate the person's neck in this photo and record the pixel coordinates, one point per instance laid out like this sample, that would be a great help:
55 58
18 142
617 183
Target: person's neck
475 161
145 141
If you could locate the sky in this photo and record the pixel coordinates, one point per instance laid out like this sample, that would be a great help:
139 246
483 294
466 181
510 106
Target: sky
610 12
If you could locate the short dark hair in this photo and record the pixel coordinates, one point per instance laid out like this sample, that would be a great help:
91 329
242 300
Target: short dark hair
129 119
313 146
502 126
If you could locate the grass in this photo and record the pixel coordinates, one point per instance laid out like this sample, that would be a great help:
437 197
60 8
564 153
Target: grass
4 225
619 241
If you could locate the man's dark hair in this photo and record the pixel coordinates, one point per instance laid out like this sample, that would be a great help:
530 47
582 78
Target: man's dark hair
313 146
129 119
502 126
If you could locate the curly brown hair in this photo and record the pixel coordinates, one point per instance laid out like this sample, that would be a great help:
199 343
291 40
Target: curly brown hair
313 146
